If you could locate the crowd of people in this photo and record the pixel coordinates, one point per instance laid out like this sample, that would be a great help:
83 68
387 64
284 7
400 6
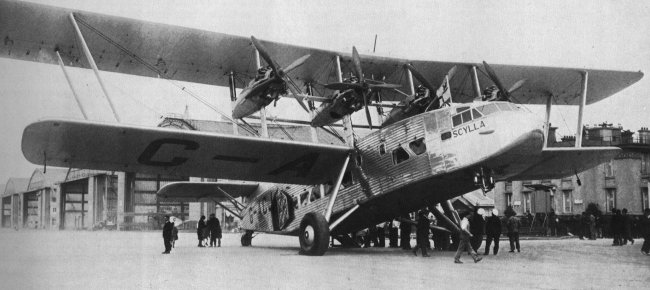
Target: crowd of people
469 237
208 233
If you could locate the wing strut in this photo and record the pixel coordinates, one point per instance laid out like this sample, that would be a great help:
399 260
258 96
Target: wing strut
232 200
583 101
337 186
227 209
74 92
91 61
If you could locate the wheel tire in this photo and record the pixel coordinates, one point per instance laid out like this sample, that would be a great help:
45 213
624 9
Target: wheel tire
314 235
246 239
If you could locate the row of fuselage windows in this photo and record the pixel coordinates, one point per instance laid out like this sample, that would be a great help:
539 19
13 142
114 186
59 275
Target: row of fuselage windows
465 114
417 147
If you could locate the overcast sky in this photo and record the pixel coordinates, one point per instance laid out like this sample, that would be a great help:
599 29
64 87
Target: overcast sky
591 34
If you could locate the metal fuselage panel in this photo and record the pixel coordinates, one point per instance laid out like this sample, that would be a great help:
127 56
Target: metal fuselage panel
403 177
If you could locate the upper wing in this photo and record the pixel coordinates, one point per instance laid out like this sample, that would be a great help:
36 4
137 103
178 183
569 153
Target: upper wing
206 191
562 162
33 32
94 145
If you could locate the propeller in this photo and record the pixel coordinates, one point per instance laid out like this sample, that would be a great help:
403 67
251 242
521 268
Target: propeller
364 87
280 73
506 93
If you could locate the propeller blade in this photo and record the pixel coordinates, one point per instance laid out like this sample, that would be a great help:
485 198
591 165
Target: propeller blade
296 63
420 77
356 60
343 86
299 100
495 79
517 86
365 105
265 55
384 86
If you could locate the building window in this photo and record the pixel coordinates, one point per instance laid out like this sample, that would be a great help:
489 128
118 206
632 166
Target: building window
526 202
567 198
645 164
508 199
610 199
609 169
645 202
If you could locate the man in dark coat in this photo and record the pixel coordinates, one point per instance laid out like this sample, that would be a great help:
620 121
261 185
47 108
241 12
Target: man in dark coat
513 225
477 228
493 232
215 230
628 223
392 234
645 231
422 234
200 227
405 234
167 235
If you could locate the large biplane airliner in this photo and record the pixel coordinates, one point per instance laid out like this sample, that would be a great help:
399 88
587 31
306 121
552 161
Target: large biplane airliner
443 139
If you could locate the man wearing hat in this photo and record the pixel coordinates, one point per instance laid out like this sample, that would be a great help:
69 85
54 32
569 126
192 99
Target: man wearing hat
493 232
167 235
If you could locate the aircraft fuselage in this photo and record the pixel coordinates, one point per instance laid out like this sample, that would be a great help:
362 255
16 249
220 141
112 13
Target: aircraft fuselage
425 159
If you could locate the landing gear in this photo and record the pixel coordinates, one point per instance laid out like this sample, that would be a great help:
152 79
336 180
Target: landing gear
484 180
314 234
247 238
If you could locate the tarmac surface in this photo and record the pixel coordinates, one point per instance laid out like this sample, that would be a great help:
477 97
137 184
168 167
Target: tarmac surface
31 259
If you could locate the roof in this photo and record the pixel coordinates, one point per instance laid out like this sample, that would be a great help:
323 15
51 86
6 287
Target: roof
49 178
16 185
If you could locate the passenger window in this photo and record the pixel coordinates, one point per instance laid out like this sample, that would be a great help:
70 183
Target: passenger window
303 198
418 147
382 149
400 155
476 114
488 109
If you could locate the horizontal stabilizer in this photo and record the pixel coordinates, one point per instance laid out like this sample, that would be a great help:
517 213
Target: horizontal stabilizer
562 162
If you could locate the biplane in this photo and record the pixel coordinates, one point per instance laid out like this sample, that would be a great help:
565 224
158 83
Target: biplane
441 141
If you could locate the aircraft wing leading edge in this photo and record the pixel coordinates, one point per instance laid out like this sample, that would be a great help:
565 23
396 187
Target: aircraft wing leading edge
34 32
556 163
117 147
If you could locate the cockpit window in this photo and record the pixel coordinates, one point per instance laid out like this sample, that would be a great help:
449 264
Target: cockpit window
487 109
463 117
461 109
504 107
476 114
418 146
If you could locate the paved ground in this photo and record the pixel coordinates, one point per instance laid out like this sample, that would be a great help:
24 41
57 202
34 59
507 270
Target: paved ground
133 260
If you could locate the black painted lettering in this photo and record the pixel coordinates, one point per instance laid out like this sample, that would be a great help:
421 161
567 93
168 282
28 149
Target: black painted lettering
153 147
300 167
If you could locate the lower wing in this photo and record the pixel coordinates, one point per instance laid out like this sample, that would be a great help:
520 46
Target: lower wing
118 147
556 163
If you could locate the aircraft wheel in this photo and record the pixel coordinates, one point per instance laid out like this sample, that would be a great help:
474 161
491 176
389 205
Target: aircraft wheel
314 234
247 239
